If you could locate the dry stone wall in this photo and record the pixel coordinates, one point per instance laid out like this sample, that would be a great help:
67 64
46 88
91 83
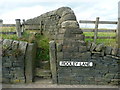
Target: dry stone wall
49 23
17 61
105 69
68 44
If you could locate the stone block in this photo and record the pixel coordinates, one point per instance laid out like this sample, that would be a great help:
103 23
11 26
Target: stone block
114 51
70 16
70 24
18 64
88 45
79 78
96 54
89 80
63 81
93 46
108 50
22 46
15 44
69 36
7 64
67 48
42 73
67 55
82 48
115 81
109 76
118 53
53 59
29 61
5 80
108 59
99 47
86 56
73 82
59 47
60 36
7 42
117 76
60 55
62 31
74 31
80 37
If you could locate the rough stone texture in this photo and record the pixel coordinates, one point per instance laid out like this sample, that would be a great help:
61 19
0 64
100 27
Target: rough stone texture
50 23
69 45
13 61
53 65
30 62
105 70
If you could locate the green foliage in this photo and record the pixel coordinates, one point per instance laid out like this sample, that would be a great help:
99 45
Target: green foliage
8 51
33 37
43 47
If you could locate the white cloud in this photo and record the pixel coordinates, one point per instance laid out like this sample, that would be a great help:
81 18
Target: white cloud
84 9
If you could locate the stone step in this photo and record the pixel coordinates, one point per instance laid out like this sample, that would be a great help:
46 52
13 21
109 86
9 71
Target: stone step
42 72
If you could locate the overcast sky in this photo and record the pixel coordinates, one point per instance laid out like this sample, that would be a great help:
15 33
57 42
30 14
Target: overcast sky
84 9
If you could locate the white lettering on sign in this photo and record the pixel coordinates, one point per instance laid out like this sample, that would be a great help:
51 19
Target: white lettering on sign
73 63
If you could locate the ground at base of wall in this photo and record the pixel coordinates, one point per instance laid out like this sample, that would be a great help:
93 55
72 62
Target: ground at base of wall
38 85
47 83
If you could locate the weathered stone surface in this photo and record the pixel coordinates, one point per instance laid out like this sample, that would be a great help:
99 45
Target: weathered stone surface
29 62
70 49
53 58
15 44
7 43
93 46
13 62
62 27
108 50
59 47
70 24
99 47
42 72
66 17
118 53
82 48
63 10
22 46
88 45
114 51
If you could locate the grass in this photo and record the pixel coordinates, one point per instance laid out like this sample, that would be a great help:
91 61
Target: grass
7 29
107 42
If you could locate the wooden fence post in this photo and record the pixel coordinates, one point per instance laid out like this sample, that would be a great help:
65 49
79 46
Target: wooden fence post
23 25
96 29
41 27
118 33
118 26
1 22
18 28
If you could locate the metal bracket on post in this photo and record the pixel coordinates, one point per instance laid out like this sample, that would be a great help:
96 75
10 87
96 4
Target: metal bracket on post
18 28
